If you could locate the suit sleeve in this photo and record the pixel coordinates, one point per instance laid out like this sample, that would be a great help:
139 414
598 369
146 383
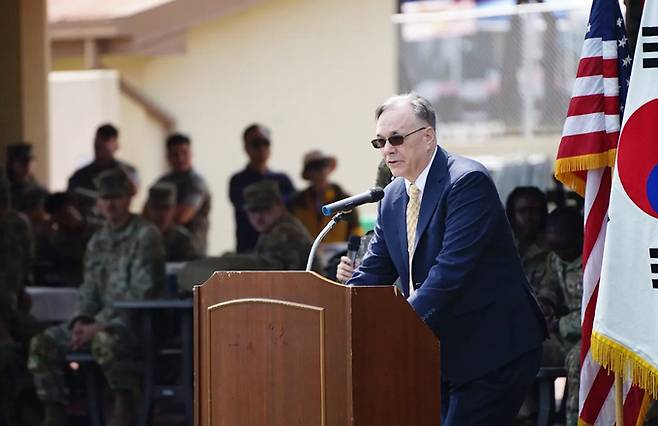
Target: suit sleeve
473 214
377 266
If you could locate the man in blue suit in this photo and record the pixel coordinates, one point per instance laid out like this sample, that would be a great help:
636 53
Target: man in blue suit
442 230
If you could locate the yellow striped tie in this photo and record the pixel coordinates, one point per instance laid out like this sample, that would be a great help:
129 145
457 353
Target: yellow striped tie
413 208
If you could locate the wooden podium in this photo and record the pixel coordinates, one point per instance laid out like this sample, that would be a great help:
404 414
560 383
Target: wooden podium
292 348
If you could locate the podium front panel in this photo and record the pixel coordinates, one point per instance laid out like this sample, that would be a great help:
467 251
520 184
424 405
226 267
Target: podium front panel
257 345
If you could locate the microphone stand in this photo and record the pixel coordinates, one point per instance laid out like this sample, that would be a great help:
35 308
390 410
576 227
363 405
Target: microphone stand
334 220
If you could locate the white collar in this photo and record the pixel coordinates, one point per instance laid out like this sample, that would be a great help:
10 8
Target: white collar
421 180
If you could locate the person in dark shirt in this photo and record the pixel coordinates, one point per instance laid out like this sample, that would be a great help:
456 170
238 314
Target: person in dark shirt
82 184
67 242
192 194
257 145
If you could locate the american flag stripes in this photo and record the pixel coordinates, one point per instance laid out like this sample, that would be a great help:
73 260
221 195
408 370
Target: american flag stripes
585 156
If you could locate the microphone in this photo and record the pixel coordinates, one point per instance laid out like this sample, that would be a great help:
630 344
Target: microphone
353 245
372 196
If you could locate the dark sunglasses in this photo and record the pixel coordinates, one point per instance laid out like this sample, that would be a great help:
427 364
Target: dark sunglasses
394 140
259 143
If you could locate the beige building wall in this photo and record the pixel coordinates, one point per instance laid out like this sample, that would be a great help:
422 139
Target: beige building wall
312 71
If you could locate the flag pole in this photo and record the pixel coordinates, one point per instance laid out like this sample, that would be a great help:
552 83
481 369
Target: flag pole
619 399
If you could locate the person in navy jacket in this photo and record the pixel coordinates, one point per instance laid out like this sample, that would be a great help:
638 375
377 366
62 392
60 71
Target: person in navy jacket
467 282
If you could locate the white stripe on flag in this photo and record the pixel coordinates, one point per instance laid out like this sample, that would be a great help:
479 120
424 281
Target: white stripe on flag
592 186
611 86
592 47
587 375
586 123
612 123
592 271
610 49
607 412
584 86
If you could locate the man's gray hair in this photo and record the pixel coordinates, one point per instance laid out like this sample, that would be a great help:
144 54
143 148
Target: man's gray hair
423 109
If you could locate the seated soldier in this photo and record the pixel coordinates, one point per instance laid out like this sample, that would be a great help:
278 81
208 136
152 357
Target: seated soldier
124 261
283 242
527 210
564 278
161 208
67 241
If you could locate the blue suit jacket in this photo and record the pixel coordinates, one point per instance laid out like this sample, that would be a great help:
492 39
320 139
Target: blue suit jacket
470 287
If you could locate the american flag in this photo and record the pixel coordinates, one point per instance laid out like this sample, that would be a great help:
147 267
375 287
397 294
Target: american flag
584 160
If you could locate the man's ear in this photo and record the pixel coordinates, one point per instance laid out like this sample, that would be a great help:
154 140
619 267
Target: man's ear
430 135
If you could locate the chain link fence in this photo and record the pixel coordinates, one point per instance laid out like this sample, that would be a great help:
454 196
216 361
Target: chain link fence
495 71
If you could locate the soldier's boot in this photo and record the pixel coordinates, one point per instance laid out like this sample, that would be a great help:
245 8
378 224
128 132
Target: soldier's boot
54 414
124 413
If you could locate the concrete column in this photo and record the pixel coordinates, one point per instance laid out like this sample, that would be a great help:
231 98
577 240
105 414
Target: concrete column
25 63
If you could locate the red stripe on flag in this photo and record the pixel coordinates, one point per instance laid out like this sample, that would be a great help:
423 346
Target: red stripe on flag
610 68
588 67
597 395
588 325
587 143
611 105
632 405
596 217
580 105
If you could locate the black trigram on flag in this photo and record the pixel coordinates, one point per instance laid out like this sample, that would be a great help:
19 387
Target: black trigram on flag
653 259
650 47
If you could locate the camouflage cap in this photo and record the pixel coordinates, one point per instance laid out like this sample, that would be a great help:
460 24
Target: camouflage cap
19 151
113 183
261 195
162 195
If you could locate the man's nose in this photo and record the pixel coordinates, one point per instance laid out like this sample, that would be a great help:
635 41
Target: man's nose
387 148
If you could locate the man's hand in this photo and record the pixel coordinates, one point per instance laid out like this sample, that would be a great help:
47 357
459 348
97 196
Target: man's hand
82 333
344 270
549 314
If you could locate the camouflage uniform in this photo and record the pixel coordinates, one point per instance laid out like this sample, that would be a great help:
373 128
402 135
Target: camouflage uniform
82 186
192 191
285 246
178 241
179 244
123 264
533 259
565 279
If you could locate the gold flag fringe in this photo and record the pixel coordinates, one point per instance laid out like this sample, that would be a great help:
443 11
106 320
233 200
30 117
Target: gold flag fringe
623 361
565 168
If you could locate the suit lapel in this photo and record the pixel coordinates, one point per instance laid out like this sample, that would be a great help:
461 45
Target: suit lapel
431 193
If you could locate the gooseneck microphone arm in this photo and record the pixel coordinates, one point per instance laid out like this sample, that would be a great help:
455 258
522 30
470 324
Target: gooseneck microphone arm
334 220
342 208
